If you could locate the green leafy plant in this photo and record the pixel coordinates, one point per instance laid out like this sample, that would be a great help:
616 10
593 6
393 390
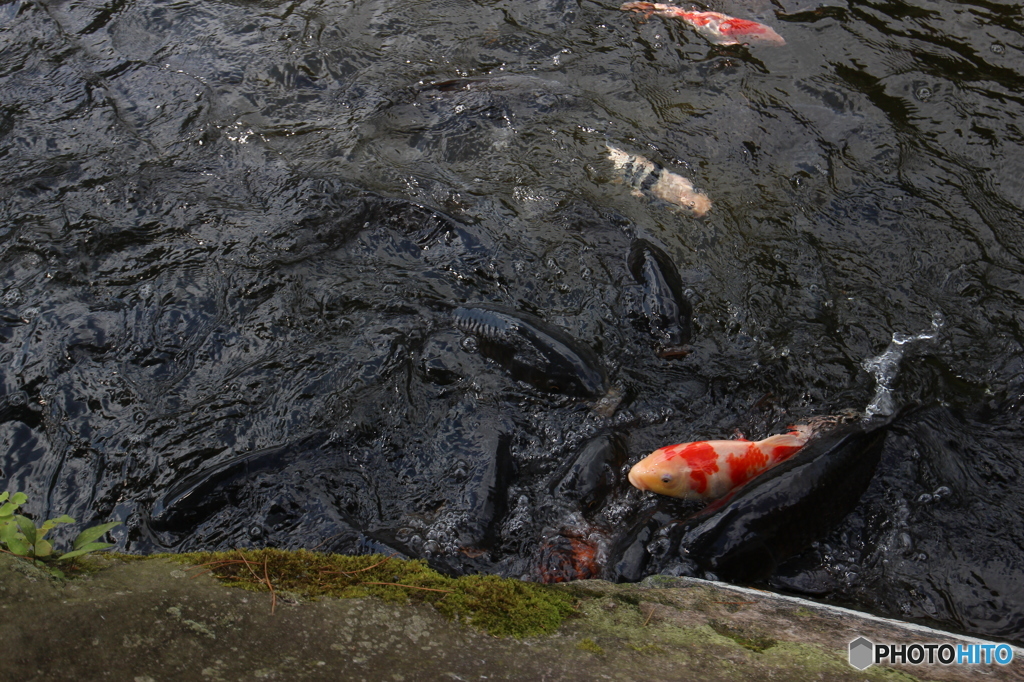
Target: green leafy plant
23 538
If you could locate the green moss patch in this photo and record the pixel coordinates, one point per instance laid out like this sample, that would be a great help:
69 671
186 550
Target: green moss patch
590 645
501 606
746 640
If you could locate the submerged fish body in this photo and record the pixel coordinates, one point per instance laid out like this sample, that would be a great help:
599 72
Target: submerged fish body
595 472
665 308
719 29
533 350
568 556
711 468
201 494
746 535
644 175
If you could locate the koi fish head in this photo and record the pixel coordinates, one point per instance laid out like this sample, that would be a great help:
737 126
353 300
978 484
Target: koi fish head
666 472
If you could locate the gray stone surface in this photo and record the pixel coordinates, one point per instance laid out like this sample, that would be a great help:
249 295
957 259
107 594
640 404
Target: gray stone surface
149 621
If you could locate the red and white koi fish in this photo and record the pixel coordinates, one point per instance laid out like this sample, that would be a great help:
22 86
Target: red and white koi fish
645 175
709 469
720 29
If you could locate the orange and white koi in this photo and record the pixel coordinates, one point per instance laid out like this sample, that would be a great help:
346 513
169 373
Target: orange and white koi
645 175
709 469
720 29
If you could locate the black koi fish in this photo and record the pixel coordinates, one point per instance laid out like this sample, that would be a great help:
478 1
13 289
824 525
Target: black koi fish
747 534
534 351
594 473
202 493
665 308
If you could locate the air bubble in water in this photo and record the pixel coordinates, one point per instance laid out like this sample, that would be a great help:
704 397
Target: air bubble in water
12 297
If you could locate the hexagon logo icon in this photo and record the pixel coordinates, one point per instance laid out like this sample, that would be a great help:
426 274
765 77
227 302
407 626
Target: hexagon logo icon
862 653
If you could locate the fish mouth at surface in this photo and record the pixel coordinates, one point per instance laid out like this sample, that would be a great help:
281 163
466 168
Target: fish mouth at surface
634 478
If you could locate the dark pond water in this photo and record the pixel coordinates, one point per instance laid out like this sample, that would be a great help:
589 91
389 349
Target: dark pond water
355 276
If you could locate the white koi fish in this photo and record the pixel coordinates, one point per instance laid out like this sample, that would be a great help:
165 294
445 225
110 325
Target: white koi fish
644 175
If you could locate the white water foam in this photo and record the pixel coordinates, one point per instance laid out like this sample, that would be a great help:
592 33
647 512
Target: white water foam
885 367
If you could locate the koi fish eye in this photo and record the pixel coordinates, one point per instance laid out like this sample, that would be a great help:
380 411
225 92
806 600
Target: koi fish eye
666 478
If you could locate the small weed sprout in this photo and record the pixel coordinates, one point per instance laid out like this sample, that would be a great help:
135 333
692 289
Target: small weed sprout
21 537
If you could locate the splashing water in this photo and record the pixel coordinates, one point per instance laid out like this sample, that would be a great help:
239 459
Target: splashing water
885 368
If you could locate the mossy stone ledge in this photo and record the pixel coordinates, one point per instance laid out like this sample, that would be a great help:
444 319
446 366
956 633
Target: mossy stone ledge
308 616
